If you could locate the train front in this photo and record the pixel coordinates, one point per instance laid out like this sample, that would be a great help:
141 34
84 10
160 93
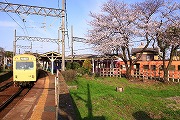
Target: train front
24 70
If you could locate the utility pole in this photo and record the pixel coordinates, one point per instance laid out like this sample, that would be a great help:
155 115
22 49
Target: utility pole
63 35
14 44
31 47
72 44
59 40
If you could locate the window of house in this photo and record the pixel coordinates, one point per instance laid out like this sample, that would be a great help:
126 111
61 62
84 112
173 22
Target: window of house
148 57
146 67
178 67
153 67
123 67
172 67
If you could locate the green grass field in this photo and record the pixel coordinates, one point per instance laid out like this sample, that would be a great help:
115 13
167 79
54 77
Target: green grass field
97 99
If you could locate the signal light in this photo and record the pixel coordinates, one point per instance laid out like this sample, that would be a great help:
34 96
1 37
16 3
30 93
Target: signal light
32 76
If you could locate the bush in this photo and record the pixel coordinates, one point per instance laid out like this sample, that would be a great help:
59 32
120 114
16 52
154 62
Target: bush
81 71
72 65
87 66
69 75
1 68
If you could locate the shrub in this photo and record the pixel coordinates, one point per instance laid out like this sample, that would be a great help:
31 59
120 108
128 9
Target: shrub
75 65
87 66
81 71
69 75
72 65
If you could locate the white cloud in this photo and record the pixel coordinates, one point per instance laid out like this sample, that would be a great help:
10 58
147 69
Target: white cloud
7 24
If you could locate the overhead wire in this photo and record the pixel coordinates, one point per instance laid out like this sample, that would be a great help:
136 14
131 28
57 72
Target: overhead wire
17 22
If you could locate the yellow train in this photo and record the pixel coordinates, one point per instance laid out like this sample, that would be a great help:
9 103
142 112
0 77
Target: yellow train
25 69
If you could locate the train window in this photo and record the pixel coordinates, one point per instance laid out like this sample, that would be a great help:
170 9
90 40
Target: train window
153 67
172 67
178 67
24 65
146 67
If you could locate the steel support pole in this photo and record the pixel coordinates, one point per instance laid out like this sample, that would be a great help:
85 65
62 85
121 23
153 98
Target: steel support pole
63 35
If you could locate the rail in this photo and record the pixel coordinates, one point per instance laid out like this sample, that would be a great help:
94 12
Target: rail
2 88
7 102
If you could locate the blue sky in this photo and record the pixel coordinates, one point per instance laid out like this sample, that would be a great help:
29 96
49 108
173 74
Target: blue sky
47 27
39 26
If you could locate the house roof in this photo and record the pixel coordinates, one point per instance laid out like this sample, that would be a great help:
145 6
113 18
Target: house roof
138 50
178 53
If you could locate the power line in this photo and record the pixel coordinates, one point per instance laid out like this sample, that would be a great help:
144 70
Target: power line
16 22
21 19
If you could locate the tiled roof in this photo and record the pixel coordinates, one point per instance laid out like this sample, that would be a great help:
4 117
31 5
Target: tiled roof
138 50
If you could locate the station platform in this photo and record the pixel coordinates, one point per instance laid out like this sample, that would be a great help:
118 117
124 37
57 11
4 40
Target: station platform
38 104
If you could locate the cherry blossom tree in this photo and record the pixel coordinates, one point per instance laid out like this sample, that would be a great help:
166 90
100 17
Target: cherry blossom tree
119 24
168 34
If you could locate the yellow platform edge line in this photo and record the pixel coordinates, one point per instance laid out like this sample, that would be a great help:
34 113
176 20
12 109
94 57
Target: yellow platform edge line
39 108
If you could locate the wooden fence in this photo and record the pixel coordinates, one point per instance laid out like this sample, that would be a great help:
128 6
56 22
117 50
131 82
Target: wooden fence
173 76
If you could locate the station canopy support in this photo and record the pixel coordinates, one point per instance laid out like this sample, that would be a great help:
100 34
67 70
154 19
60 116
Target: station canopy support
51 56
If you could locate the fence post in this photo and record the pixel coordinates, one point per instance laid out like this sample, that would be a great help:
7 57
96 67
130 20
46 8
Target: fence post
178 76
159 75
103 72
147 74
120 73
151 74
109 72
168 75
173 76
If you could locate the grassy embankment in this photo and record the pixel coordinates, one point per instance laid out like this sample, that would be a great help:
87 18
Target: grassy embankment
97 99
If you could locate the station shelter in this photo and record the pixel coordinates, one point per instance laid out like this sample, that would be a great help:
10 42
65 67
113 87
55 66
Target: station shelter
51 61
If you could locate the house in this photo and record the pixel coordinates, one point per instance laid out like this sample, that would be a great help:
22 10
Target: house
177 56
2 56
148 54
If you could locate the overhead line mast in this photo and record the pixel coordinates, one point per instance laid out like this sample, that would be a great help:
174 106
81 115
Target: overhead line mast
30 10
63 35
43 11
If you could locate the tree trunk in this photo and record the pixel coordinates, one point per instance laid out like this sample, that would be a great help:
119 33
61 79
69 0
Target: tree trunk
128 72
165 78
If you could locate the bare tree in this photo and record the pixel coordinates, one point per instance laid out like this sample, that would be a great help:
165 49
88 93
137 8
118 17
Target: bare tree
119 24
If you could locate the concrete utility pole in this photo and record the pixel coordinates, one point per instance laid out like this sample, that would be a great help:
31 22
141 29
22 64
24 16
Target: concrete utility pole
72 44
63 35
14 44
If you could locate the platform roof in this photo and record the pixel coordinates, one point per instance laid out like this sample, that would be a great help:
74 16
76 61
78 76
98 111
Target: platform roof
48 55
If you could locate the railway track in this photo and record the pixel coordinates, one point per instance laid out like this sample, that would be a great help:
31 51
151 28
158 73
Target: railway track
9 101
3 87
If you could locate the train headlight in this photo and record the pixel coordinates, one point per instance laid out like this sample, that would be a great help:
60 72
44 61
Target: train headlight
15 76
32 76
